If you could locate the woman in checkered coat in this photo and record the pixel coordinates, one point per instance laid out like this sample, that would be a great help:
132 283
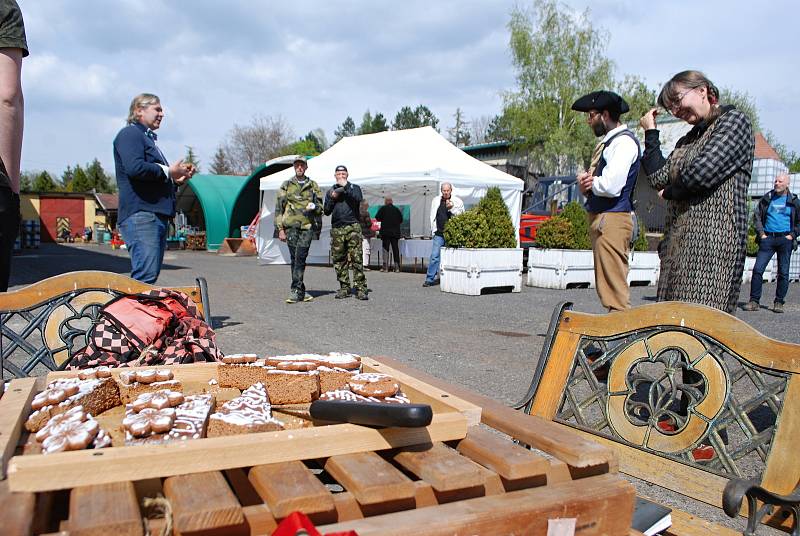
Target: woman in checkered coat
704 181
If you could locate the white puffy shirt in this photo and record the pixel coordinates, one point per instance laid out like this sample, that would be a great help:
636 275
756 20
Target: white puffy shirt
619 155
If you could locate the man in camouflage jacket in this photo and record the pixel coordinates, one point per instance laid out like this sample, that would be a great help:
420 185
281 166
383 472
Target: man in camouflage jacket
343 205
296 210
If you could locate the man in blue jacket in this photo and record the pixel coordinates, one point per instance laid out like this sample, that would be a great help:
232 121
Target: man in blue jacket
777 223
147 184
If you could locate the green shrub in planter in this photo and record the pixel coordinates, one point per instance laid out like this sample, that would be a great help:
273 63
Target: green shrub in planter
641 243
467 230
501 229
555 233
577 216
486 225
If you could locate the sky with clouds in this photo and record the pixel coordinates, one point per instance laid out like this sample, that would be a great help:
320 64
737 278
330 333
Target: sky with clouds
218 63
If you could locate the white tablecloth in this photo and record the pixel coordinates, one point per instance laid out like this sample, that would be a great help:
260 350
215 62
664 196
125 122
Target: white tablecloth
415 247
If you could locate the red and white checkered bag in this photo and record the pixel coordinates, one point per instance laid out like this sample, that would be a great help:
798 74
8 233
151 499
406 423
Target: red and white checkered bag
158 327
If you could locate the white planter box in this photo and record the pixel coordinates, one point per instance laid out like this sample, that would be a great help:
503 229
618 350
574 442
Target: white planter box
467 271
644 268
770 272
557 268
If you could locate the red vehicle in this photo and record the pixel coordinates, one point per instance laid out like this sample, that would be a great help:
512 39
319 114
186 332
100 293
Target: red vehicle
527 228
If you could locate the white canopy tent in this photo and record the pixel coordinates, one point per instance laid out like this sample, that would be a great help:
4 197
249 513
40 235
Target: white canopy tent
408 165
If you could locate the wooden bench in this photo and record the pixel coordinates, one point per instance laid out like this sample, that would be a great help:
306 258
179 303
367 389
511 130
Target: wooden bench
43 325
671 384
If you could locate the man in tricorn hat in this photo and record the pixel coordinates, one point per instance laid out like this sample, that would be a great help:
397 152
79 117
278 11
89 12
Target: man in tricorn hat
608 186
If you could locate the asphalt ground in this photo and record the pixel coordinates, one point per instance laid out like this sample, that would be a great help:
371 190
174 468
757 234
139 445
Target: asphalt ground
487 343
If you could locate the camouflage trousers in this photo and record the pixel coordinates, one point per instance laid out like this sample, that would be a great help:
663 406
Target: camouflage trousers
299 242
346 254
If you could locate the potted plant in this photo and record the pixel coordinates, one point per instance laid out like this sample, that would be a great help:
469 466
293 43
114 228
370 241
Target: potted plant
644 265
481 249
563 257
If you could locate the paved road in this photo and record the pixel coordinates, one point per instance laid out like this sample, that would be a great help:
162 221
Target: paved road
488 343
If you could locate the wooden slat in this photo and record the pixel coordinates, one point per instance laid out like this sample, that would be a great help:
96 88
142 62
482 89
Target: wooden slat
684 524
737 335
501 455
602 505
57 285
105 509
695 483
16 511
782 474
14 408
67 469
558 471
370 478
554 378
204 502
290 486
531 430
259 519
440 466
347 507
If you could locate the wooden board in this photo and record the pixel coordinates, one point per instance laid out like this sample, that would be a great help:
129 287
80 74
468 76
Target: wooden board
501 455
440 466
370 478
290 486
105 509
203 502
14 408
601 505
79 468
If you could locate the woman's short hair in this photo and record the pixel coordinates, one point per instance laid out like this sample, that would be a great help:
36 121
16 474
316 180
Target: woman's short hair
689 80
142 100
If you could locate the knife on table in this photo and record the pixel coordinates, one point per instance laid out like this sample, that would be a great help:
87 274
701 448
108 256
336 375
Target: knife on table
372 413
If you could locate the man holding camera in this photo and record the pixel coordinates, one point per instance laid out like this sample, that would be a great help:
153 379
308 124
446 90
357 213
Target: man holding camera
342 204
296 207
443 208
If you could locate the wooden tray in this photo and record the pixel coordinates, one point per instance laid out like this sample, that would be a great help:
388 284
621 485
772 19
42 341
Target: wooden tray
65 470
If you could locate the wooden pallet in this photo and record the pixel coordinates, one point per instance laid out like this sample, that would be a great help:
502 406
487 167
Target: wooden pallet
481 483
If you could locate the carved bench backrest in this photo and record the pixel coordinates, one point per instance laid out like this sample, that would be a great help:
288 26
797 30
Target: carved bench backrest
662 383
43 325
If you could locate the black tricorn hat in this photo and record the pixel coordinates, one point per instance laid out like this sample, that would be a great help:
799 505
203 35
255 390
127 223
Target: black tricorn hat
601 100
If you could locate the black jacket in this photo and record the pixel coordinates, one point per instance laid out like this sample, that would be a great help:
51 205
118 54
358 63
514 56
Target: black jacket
390 217
760 214
345 209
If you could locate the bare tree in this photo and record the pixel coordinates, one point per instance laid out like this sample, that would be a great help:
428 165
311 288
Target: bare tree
247 147
478 128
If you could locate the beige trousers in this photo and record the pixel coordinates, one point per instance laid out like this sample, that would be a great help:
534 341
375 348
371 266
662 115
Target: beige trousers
611 237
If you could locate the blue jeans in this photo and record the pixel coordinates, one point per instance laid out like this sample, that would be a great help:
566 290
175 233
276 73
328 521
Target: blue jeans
767 247
436 256
145 236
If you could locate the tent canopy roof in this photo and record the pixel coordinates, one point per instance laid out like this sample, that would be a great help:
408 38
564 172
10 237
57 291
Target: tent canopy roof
399 156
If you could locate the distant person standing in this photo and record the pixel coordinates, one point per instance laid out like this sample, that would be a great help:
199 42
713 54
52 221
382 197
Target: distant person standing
296 208
342 204
13 47
608 186
366 232
147 184
444 207
391 218
777 223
